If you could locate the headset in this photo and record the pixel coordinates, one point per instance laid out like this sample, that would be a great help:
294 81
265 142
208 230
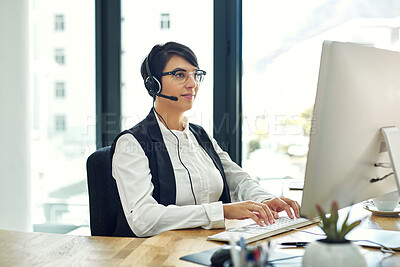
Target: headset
153 86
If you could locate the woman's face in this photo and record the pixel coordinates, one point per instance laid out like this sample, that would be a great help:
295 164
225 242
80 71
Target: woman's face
186 92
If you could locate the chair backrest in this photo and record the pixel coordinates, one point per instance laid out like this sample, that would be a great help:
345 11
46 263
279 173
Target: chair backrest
104 201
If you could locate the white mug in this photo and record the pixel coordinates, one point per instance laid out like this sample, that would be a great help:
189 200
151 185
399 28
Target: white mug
387 202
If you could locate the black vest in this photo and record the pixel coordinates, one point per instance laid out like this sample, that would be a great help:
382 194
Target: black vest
149 136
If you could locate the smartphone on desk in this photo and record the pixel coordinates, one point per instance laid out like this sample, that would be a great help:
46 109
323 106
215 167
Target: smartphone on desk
296 186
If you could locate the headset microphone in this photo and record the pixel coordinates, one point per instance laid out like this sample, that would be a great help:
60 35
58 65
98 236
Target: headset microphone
173 98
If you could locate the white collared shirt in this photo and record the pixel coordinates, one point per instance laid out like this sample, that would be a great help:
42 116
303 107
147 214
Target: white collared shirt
146 217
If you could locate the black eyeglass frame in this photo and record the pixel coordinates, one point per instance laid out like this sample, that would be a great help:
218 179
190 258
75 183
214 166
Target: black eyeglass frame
175 71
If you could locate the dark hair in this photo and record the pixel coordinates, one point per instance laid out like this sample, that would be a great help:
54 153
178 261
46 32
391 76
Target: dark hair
160 55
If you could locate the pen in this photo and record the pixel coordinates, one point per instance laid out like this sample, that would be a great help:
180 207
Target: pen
296 244
242 252
234 252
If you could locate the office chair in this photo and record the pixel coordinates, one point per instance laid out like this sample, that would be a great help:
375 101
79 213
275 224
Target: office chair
104 202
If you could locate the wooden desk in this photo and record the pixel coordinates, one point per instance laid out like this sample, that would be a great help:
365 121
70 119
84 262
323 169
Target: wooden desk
38 249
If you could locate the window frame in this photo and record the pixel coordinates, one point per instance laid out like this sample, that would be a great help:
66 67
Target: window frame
59 22
60 120
228 77
108 71
59 56
59 89
165 20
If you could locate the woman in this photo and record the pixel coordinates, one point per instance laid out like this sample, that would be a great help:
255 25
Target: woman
171 174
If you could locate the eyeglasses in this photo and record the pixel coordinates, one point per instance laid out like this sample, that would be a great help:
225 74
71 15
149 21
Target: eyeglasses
181 76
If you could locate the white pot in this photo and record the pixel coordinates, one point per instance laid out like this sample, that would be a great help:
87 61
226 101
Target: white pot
319 253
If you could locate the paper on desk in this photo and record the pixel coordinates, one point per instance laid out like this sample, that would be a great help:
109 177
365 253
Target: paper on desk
390 239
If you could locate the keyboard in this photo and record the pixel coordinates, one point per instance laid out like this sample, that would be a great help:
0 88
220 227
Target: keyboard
253 232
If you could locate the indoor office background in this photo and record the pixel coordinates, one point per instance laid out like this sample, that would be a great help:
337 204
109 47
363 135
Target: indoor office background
70 81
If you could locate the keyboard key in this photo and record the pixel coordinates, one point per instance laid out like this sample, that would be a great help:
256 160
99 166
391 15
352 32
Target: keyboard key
253 232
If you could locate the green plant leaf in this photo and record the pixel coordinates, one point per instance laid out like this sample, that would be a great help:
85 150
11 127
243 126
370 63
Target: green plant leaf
344 225
329 224
348 228
322 214
334 213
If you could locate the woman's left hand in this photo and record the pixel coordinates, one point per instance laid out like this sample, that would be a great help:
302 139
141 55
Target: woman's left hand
278 204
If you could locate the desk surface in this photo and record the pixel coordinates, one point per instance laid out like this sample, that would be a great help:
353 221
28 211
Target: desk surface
38 249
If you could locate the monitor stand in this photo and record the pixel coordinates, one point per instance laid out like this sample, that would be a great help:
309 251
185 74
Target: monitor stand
392 139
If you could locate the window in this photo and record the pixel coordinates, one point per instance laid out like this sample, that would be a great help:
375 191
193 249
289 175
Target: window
281 66
60 123
59 56
59 22
63 132
135 101
165 21
60 89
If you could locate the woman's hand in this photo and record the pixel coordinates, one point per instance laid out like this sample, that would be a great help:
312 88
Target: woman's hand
278 204
256 211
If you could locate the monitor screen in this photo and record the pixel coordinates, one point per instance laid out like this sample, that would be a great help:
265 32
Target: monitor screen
358 93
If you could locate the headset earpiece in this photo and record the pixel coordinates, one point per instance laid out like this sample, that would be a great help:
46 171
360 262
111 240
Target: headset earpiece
151 83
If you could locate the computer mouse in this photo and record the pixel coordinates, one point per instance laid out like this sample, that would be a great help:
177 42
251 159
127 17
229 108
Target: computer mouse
221 255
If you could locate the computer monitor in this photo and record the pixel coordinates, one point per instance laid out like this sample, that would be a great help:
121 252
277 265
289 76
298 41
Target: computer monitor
358 93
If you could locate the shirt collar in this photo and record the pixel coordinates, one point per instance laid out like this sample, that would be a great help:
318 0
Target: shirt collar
165 130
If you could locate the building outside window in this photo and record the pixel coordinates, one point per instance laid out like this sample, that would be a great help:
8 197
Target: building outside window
59 56
280 74
165 21
63 128
60 89
59 22
60 123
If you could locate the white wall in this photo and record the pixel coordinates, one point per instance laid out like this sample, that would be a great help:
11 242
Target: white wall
14 122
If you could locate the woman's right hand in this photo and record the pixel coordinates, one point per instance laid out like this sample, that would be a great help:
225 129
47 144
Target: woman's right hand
256 211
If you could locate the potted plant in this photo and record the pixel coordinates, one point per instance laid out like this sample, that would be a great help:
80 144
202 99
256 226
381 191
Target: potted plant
335 249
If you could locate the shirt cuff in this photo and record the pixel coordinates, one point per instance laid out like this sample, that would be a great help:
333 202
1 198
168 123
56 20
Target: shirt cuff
264 198
215 214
